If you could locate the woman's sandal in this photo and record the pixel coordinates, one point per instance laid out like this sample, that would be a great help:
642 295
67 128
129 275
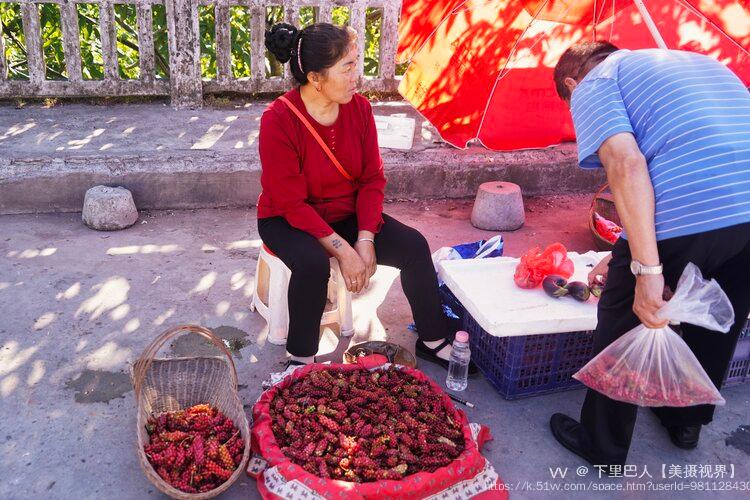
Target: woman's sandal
293 362
429 354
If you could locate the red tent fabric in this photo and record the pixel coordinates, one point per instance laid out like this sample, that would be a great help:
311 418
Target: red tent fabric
483 69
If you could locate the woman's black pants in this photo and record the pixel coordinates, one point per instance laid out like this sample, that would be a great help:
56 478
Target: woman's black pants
396 245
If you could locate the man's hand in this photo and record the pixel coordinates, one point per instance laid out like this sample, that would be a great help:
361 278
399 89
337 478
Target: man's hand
649 291
600 270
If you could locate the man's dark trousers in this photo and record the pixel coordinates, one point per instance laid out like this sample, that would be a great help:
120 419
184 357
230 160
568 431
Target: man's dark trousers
722 254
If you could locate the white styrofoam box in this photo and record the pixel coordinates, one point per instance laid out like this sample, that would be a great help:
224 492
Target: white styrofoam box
395 132
486 289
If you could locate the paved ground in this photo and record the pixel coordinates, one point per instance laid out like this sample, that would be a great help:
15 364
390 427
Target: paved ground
78 306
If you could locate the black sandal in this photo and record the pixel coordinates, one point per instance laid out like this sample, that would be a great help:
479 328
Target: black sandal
294 362
430 354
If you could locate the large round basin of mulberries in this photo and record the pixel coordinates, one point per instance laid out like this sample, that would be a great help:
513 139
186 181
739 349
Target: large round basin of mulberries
361 426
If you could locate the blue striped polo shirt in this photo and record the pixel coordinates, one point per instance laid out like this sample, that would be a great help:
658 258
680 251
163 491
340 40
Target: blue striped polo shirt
690 116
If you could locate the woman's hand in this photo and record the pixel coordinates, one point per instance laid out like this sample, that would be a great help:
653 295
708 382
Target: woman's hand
366 251
599 273
365 247
353 269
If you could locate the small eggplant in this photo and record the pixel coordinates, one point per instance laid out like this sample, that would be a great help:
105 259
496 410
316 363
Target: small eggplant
578 290
555 286
597 287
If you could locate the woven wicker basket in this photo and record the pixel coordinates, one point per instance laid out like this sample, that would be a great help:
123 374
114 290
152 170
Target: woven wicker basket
604 205
173 384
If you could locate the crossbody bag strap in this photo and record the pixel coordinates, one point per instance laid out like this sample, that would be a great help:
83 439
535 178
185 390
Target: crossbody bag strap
315 134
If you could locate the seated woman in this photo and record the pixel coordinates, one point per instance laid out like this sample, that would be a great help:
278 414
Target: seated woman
311 208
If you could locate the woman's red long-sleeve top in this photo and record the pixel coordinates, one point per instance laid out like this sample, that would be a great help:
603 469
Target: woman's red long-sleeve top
300 182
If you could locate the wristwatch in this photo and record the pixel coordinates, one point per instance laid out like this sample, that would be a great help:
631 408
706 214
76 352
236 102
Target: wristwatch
639 269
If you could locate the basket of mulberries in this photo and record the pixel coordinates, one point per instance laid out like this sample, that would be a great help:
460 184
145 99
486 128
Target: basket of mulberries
193 437
366 430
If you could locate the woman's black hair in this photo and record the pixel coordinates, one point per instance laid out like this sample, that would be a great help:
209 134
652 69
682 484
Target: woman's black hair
322 45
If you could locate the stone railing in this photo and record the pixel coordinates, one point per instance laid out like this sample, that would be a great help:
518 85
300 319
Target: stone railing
185 84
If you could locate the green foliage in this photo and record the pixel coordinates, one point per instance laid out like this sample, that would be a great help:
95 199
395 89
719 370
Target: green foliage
373 24
92 64
128 46
127 41
307 16
239 21
15 43
207 24
340 15
52 47
161 47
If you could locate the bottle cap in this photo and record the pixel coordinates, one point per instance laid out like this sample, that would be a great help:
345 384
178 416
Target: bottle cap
462 336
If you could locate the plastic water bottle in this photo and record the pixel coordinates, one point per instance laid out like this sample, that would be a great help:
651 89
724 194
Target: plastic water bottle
458 368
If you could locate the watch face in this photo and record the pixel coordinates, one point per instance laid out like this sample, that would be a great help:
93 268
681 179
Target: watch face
634 267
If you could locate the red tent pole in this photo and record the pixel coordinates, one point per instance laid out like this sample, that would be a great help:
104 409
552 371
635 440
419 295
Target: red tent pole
650 24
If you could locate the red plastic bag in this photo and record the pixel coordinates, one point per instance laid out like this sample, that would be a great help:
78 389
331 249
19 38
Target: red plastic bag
656 367
468 476
536 266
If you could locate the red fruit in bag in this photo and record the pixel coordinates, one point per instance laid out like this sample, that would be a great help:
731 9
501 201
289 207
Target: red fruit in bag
655 367
535 265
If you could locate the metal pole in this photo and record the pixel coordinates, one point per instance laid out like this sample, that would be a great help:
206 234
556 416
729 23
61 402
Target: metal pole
650 24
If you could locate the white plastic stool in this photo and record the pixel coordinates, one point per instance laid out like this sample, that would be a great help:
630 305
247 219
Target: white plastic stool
271 301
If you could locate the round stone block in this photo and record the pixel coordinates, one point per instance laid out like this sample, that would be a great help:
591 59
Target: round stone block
498 207
109 208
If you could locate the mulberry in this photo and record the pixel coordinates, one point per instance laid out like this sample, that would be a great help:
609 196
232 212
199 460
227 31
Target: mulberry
323 469
174 436
226 458
328 423
362 461
217 470
308 451
348 443
290 415
321 447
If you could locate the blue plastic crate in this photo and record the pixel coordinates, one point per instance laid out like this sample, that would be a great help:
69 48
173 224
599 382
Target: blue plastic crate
739 368
528 365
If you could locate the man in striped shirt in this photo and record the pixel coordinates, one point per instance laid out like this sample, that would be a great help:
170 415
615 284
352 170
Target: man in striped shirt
672 131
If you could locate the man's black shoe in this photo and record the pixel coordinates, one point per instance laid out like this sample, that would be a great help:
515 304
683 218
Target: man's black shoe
571 434
685 436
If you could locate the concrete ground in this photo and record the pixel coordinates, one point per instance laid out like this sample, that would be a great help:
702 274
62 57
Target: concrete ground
77 307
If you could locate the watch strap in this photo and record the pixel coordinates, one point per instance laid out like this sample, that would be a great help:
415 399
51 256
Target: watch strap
648 270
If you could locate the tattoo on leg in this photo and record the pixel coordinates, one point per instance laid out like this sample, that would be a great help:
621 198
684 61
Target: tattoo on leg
336 243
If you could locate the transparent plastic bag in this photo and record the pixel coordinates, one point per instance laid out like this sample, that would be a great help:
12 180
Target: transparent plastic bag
656 367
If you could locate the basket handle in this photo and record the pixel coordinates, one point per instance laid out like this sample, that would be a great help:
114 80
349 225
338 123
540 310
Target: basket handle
593 200
142 364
